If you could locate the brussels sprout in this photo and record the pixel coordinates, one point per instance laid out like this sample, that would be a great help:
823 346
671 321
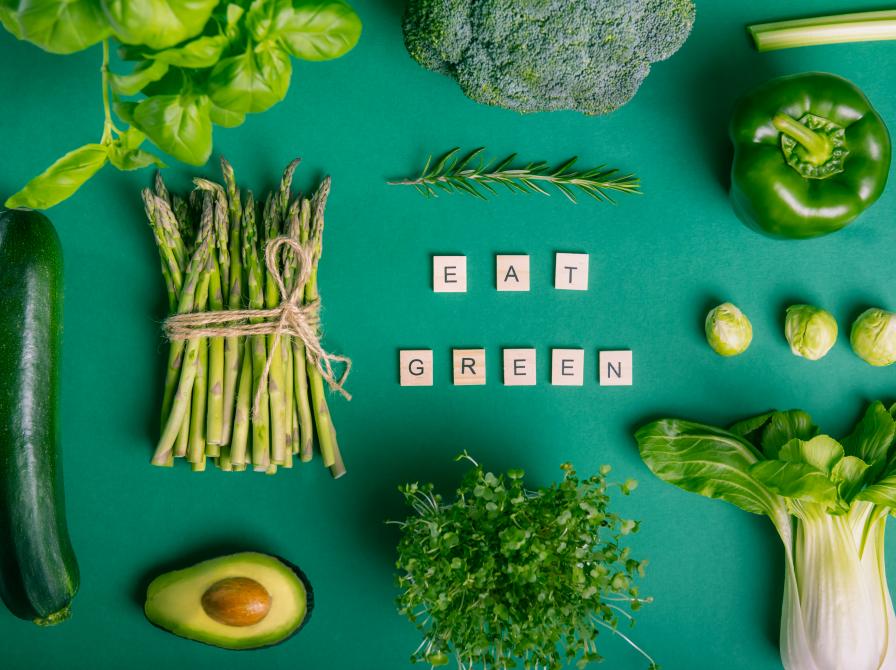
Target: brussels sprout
873 337
810 331
728 330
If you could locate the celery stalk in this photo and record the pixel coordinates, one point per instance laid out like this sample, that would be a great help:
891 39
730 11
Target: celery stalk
835 29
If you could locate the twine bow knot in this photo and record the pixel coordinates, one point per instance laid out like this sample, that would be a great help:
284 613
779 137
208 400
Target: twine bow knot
293 318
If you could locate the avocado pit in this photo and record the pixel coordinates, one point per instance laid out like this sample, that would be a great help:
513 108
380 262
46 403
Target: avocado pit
237 601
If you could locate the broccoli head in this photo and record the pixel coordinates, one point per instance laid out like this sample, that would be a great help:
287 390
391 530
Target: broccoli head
543 55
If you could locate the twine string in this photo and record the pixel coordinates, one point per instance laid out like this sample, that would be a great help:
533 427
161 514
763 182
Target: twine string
293 317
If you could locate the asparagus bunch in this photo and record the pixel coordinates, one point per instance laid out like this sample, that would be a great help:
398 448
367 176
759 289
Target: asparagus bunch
217 402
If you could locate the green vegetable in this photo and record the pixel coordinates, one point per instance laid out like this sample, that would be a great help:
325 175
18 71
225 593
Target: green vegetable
38 571
241 601
827 499
212 249
57 26
198 63
728 330
62 178
541 56
472 174
180 123
839 28
508 577
810 155
252 81
873 337
316 31
810 331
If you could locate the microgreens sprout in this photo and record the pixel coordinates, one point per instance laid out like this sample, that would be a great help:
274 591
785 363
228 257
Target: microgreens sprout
504 577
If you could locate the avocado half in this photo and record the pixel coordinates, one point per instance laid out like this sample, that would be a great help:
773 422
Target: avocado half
241 601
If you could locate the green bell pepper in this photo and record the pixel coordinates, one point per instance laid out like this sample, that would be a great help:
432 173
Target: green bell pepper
810 155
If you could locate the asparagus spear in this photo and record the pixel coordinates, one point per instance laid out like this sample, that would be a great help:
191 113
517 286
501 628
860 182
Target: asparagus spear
178 387
215 414
182 397
182 442
197 450
169 264
214 198
224 461
242 410
288 403
302 230
290 216
171 274
326 431
255 279
276 383
233 347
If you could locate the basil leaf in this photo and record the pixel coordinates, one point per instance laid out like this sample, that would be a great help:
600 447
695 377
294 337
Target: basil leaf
158 24
178 124
144 74
709 461
872 438
202 52
821 452
252 81
783 427
224 117
260 17
62 178
59 26
124 110
9 17
317 29
128 140
232 16
125 152
176 81
134 159
799 481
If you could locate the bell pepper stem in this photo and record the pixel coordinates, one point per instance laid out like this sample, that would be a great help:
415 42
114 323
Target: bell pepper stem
818 147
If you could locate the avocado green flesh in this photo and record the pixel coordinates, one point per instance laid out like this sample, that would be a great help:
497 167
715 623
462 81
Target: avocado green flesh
174 601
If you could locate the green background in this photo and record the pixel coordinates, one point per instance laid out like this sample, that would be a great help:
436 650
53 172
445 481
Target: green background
657 263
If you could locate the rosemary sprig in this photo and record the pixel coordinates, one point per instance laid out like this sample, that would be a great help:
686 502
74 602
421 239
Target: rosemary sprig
473 174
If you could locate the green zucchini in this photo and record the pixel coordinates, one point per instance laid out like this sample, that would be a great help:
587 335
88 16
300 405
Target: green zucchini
38 571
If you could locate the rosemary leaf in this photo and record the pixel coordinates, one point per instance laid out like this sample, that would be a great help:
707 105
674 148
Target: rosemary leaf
453 173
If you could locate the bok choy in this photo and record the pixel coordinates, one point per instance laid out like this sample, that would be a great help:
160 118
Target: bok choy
828 500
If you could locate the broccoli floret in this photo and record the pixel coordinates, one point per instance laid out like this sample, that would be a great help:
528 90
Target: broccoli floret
543 55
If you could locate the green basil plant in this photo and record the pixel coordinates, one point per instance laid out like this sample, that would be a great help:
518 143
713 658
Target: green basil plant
197 64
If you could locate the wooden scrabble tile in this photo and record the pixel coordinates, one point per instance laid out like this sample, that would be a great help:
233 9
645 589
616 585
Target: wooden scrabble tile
469 367
615 368
567 367
449 274
519 367
512 272
415 367
571 272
